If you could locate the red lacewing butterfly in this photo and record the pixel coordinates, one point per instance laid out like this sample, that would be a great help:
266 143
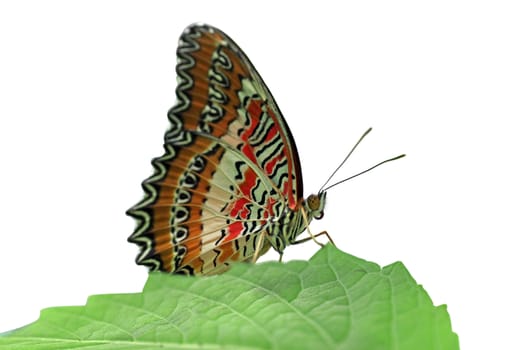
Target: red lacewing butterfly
229 185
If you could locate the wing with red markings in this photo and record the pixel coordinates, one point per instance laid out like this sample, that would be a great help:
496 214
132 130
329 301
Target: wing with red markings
230 163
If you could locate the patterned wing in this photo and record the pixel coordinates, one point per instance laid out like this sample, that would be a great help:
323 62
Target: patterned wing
230 166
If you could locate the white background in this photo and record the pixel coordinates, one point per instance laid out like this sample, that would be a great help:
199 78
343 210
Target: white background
84 92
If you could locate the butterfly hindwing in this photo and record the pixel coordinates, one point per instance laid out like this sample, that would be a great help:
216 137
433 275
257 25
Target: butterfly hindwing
230 163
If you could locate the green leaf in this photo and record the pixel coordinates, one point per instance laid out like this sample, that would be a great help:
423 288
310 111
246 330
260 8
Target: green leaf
333 301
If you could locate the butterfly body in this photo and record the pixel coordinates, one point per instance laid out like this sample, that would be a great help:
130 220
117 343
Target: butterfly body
229 184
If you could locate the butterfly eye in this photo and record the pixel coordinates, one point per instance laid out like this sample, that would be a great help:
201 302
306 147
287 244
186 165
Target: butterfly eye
313 202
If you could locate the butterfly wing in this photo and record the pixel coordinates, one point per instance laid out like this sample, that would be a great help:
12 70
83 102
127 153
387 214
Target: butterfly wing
230 164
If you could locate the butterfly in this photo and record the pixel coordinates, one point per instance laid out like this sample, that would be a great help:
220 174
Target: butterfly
229 186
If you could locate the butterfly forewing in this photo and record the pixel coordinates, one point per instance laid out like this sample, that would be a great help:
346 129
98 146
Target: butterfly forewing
230 166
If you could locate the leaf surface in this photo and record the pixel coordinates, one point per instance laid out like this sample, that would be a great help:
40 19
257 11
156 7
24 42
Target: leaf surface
333 301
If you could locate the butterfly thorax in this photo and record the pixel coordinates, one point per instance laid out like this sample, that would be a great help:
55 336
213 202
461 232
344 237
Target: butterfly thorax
293 222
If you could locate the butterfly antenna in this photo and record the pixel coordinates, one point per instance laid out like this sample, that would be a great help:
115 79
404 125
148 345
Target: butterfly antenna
365 171
345 159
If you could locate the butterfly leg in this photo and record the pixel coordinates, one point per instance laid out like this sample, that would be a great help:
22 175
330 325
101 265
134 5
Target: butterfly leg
311 235
259 246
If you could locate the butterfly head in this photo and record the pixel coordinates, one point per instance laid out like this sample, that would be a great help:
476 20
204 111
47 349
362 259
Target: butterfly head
315 204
